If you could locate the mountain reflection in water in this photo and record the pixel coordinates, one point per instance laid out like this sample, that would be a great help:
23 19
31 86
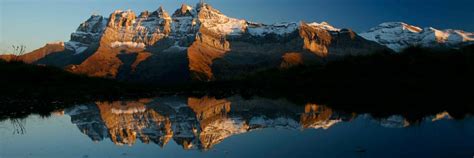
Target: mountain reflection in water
201 123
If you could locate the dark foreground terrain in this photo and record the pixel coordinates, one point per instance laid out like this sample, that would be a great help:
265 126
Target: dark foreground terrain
29 89
384 83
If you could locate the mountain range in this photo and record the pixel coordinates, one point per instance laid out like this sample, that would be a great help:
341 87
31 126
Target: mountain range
201 43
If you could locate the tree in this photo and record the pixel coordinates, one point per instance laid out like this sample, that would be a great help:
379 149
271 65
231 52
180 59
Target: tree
18 51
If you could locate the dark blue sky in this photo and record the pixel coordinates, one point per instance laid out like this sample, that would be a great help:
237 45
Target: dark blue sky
36 22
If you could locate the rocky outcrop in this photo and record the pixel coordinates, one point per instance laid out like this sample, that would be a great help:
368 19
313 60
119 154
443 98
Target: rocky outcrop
291 59
90 31
202 53
316 39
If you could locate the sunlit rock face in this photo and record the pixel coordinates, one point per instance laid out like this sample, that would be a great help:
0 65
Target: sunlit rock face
195 122
202 53
215 124
316 40
291 60
127 30
194 43
441 116
207 109
122 44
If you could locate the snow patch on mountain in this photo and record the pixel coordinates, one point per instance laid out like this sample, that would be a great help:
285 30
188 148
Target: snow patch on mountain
324 25
394 121
280 122
129 110
118 44
227 27
214 20
56 43
76 47
326 124
258 29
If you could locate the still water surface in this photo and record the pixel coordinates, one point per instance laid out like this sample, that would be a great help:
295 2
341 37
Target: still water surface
231 127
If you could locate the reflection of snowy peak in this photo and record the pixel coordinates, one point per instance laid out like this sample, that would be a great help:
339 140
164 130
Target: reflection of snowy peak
85 118
201 123
398 35
195 123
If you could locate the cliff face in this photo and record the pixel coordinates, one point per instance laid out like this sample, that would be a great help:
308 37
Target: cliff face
316 40
199 43
203 52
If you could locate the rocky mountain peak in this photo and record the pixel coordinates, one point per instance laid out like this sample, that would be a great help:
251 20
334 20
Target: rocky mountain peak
323 25
144 14
161 13
217 22
184 11
160 10
90 31
92 25
120 19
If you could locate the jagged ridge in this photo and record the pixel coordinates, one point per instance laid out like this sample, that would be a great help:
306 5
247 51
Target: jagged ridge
198 43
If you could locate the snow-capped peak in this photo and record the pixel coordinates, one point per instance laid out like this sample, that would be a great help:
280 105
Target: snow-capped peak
401 25
323 25
219 23
399 35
